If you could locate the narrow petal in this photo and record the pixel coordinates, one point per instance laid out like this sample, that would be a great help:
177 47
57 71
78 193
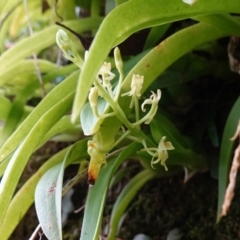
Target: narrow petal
147 101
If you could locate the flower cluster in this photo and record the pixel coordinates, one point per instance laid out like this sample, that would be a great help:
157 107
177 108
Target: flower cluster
104 77
103 88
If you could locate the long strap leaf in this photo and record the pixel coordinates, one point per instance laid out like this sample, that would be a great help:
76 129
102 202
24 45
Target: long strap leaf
42 40
26 148
124 199
48 195
25 196
17 109
158 60
54 97
97 195
138 15
226 153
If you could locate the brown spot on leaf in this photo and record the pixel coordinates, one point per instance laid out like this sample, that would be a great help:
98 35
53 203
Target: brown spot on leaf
158 46
51 190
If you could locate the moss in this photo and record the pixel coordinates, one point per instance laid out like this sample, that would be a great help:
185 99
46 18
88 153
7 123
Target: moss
166 204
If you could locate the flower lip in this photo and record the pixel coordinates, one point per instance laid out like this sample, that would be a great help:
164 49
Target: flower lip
105 68
105 73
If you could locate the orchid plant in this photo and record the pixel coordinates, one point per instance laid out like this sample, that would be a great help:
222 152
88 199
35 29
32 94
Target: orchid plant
100 98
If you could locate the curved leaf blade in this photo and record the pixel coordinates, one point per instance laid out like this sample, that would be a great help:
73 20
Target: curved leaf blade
41 40
90 124
158 59
97 195
124 199
25 196
23 67
46 206
26 148
48 195
137 15
226 152
53 98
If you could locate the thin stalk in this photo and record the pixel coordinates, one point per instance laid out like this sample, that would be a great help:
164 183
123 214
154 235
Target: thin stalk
121 116
95 8
115 106
136 103
95 11
34 54
120 139
121 76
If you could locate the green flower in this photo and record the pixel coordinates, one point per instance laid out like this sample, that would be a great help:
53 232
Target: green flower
136 87
153 100
106 74
161 152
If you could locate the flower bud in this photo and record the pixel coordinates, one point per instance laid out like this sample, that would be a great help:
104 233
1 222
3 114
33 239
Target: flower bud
63 40
118 59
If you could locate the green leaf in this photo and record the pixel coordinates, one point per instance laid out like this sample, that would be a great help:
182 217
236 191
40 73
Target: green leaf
12 120
5 19
90 124
226 153
26 148
53 98
157 60
97 195
5 106
48 195
25 196
124 199
48 201
42 40
193 67
66 9
64 124
15 115
138 15
162 126
171 49
120 175
155 34
24 67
